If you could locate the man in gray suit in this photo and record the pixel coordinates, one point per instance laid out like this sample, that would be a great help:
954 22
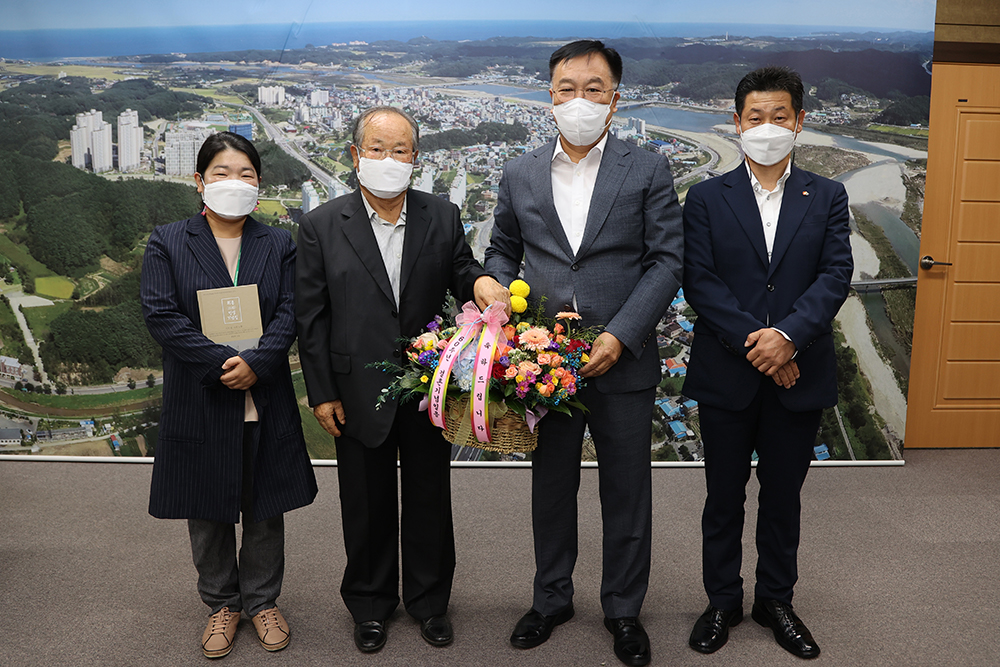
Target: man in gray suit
598 225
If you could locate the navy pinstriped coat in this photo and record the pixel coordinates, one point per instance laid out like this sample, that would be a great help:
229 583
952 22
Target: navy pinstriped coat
197 473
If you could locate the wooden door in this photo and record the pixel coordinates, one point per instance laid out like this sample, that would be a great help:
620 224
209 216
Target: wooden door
954 398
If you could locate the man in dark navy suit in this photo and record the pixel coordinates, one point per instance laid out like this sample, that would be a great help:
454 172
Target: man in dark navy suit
767 266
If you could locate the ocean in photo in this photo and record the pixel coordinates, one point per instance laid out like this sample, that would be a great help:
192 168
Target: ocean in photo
48 45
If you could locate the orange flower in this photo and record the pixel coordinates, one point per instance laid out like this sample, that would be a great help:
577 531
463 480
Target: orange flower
508 331
558 328
568 315
560 338
544 359
544 389
511 372
536 339
555 360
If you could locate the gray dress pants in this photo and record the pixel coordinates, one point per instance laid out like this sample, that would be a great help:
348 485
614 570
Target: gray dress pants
252 583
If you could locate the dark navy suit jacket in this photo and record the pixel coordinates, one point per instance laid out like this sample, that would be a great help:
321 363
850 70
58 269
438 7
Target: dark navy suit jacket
198 465
735 290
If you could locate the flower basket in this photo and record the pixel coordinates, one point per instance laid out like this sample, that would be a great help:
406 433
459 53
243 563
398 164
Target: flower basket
509 433
512 372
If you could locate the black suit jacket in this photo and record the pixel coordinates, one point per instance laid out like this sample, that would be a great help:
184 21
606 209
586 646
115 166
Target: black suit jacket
735 290
346 312
198 469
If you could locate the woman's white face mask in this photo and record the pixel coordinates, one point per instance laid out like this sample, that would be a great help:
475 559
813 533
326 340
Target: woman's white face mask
230 198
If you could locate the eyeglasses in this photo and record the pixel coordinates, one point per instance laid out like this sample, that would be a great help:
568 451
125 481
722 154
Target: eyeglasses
592 93
398 154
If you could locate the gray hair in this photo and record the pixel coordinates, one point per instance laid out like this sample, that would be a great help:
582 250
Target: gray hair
358 133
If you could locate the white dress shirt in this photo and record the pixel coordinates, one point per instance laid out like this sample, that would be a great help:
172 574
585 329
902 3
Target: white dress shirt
573 187
769 205
390 237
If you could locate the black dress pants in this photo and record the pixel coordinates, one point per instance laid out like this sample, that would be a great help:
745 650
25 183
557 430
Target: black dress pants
783 440
374 528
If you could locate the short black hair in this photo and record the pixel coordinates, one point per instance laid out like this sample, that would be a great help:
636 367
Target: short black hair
585 47
770 79
220 141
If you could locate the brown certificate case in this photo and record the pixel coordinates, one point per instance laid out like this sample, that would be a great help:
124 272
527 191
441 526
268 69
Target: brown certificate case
231 316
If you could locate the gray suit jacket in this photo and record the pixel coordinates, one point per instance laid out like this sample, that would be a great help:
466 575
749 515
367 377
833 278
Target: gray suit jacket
629 264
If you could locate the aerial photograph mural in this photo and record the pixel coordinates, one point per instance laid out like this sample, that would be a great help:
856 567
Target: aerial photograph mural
103 109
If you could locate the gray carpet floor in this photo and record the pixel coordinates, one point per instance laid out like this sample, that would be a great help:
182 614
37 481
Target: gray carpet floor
898 566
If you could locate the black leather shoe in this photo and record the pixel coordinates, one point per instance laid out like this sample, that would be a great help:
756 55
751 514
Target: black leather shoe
436 630
631 640
534 628
789 630
711 630
369 636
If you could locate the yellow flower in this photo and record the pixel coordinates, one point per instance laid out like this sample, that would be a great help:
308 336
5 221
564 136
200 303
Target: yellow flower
423 378
520 288
555 380
585 358
520 378
518 303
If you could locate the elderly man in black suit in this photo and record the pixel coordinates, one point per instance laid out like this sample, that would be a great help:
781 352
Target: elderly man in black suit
373 268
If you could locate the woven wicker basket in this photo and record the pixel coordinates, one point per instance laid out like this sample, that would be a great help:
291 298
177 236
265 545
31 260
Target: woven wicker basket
509 433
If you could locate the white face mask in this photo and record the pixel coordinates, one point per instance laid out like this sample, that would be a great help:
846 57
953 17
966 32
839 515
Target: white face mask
580 121
384 178
767 144
230 198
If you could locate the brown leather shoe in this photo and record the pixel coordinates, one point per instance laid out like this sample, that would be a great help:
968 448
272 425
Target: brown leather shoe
272 630
217 640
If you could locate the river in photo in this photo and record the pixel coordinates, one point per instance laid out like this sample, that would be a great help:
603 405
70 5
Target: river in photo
881 327
677 119
533 95
903 240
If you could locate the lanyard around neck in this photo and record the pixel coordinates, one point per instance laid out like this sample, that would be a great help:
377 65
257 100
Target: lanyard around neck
236 273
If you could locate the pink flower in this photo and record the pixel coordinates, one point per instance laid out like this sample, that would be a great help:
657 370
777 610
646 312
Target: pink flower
536 339
568 315
544 359
511 372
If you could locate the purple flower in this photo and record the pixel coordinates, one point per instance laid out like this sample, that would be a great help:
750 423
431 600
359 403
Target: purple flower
428 358
505 361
